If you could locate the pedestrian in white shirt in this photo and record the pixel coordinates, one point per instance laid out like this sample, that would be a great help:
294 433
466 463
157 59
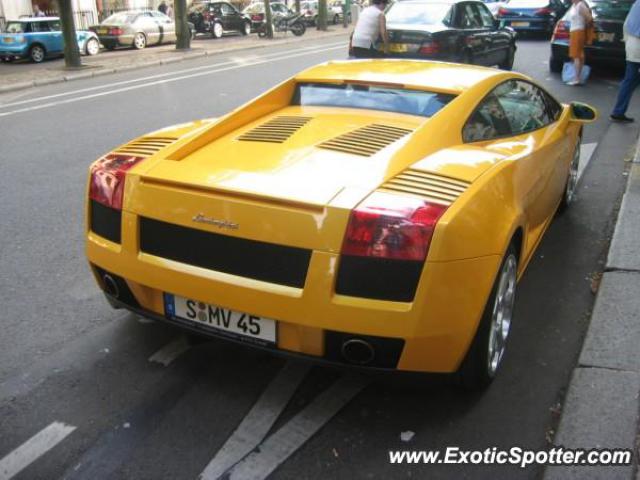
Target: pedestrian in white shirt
371 26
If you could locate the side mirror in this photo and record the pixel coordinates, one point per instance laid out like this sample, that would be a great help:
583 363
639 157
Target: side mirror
583 113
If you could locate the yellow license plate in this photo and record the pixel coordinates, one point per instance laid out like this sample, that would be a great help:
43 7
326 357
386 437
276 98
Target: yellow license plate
7 40
103 30
519 24
397 47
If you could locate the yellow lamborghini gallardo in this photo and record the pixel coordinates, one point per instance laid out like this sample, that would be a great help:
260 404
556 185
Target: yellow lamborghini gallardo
375 213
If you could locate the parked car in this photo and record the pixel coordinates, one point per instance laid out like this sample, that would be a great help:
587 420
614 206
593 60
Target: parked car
451 30
608 45
494 5
218 18
137 29
255 12
336 12
310 12
535 16
39 37
376 214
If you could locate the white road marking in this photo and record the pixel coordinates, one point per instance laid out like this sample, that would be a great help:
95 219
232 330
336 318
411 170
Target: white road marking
586 152
171 351
255 426
284 443
33 449
159 82
234 61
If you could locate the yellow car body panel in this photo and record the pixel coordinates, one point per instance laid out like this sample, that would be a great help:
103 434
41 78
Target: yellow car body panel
298 195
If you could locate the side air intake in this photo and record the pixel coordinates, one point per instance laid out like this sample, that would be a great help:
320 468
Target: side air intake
145 146
430 186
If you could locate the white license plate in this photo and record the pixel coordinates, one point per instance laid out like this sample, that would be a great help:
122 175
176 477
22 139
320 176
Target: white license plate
519 24
606 36
237 324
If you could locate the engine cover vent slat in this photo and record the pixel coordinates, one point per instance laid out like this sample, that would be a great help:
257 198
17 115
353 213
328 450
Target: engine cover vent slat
366 141
276 130
146 146
428 186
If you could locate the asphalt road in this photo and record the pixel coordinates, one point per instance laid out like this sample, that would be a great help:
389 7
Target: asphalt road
84 389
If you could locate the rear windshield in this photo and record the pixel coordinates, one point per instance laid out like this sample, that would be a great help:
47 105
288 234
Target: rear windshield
417 13
528 3
615 10
120 18
371 97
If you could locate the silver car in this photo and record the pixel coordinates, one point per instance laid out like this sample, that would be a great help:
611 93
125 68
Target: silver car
136 29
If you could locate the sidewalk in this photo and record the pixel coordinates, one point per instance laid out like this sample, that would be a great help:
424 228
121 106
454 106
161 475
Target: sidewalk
25 75
602 403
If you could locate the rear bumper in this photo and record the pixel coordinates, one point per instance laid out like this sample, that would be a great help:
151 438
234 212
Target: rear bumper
110 41
434 330
21 50
534 25
593 54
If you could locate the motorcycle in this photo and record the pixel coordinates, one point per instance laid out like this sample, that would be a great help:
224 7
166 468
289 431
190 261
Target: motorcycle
292 23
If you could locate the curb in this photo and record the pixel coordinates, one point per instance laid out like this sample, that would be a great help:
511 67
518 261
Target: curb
602 404
99 70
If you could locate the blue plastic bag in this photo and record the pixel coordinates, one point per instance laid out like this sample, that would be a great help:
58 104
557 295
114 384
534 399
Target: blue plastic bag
569 73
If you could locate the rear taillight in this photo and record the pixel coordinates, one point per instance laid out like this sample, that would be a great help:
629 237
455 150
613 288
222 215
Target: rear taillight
256 18
503 11
543 11
392 226
561 32
429 47
115 31
107 177
309 12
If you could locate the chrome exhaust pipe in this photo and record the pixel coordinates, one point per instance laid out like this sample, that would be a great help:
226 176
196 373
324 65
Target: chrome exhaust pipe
110 285
358 351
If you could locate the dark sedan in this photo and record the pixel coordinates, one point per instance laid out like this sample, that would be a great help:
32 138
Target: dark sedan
535 16
608 45
458 31
218 18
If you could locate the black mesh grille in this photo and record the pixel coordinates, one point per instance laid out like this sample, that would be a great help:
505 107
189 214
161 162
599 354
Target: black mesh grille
237 256
105 221
378 278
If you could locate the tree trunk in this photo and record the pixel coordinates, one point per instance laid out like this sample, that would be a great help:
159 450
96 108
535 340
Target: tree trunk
71 51
183 41
346 9
322 15
297 6
268 19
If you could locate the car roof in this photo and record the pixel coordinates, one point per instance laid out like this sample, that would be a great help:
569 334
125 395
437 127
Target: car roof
441 76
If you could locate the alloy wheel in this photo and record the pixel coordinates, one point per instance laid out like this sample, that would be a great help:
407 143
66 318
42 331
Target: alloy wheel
139 41
572 179
37 53
247 28
217 30
92 47
502 314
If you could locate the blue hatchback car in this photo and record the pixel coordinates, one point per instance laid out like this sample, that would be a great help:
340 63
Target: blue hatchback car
39 37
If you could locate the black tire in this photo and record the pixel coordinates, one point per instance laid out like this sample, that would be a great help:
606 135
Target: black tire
507 64
466 57
37 53
477 370
298 29
555 64
92 47
216 30
568 195
246 30
139 41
